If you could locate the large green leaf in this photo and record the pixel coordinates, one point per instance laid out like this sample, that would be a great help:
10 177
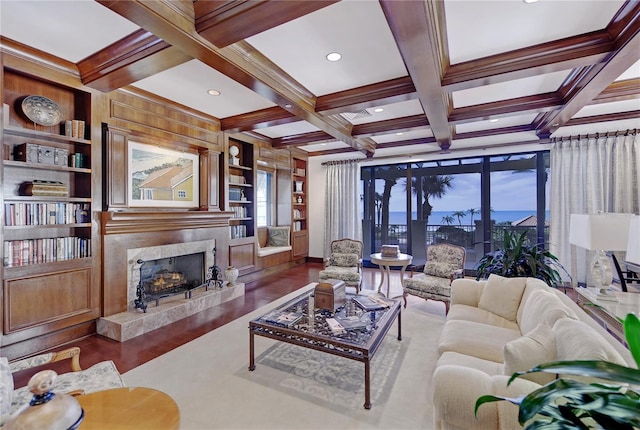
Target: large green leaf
632 334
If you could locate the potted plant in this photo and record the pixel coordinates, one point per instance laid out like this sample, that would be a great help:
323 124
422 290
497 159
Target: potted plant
518 258
569 404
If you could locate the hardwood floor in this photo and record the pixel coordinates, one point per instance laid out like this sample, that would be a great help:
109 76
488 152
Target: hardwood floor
137 351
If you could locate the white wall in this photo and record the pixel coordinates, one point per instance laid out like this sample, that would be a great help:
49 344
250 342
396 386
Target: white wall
315 205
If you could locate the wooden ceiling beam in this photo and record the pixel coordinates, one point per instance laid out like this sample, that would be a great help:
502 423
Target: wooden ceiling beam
418 28
224 22
619 90
268 117
519 105
592 81
132 58
174 23
395 125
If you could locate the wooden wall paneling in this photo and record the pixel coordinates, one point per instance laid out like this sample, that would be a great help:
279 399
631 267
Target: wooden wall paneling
114 181
210 179
300 243
243 255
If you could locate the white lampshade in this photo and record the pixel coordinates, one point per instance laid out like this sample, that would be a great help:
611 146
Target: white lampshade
633 247
601 231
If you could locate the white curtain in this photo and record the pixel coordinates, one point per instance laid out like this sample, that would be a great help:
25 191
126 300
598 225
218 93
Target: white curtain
590 174
342 202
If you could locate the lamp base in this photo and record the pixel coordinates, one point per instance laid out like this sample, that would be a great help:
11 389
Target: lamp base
603 294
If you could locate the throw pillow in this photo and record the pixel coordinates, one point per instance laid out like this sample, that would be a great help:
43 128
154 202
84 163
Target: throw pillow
576 340
278 236
536 347
436 268
344 260
543 305
6 388
501 296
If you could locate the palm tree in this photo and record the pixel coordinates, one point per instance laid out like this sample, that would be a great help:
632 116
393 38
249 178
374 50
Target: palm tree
432 186
472 212
390 175
378 203
447 219
459 215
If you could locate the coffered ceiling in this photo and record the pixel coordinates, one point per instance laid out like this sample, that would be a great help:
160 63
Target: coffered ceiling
415 76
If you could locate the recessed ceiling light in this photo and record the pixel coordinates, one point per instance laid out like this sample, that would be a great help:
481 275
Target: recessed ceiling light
287 106
213 92
378 110
529 1
494 120
334 56
398 134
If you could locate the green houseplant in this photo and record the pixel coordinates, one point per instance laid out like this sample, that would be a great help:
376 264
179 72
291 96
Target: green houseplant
569 404
519 258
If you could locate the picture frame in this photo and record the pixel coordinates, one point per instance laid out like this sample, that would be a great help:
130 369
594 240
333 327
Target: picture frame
162 177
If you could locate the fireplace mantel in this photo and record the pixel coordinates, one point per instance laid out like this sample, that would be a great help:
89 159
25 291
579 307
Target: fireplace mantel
137 222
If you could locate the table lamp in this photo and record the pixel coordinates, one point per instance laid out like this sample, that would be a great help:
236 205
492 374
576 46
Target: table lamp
600 232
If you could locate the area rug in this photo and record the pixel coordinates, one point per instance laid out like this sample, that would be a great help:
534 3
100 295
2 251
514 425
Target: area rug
296 388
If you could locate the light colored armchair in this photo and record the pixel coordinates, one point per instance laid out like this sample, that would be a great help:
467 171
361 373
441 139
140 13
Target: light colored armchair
101 376
445 263
344 263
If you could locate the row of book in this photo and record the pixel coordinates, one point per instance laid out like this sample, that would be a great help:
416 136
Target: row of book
43 188
238 231
297 213
236 194
297 226
35 251
300 172
74 128
237 179
22 214
240 211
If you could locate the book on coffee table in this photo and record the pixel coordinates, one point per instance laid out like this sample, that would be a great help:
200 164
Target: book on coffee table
287 319
370 303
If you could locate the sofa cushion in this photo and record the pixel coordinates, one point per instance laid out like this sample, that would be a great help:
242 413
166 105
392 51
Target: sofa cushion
344 260
479 340
487 366
472 313
439 269
278 236
6 388
536 347
501 296
575 340
543 306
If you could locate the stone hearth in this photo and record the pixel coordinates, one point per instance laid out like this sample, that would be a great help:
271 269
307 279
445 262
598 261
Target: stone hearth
127 325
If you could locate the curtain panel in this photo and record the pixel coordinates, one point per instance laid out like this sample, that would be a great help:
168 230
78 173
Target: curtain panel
590 174
342 217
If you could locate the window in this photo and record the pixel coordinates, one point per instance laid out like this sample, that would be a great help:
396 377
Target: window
265 192
182 194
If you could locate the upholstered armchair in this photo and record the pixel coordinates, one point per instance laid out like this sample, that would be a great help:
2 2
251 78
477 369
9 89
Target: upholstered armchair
101 376
344 263
445 263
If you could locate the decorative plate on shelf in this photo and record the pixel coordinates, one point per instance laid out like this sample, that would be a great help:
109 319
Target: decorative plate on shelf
41 110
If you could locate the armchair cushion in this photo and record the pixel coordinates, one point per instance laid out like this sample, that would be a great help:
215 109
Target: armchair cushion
439 269
501 296
349 275
344 260
536 347
6 388
278 236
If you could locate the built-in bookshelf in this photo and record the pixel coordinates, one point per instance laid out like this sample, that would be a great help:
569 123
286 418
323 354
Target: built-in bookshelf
241 191
300 237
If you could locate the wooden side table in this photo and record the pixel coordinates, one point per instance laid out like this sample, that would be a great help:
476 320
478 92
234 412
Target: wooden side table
402 260
129 408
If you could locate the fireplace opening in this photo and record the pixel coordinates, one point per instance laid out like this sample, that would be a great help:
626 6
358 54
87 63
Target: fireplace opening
165 277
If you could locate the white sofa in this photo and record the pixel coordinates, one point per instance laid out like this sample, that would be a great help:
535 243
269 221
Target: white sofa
503 325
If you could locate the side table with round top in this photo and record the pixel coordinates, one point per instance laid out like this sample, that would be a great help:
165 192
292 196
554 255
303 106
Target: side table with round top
129 408
402 260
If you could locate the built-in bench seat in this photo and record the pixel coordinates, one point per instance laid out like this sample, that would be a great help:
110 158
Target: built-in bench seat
273 240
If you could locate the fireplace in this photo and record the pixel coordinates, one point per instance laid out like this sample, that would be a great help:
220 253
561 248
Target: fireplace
166 277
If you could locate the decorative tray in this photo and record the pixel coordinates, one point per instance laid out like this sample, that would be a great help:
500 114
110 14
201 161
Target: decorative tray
41 110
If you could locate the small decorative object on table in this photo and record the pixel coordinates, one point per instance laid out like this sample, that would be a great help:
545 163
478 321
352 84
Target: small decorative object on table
213 274
231 275
330 294
390 251
234 151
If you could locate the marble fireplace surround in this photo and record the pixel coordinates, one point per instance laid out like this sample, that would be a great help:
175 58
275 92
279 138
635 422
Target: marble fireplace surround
128 237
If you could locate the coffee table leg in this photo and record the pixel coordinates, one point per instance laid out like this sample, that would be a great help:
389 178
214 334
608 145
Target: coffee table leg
252 365
367 386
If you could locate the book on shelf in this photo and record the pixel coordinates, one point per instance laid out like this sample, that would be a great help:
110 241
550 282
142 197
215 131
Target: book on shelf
43 188
370 303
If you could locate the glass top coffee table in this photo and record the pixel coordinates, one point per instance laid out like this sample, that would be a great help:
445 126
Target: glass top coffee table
358 337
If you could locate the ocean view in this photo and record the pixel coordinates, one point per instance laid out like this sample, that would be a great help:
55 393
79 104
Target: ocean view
436 217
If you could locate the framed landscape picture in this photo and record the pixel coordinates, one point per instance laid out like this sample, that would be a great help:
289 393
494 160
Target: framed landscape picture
161 177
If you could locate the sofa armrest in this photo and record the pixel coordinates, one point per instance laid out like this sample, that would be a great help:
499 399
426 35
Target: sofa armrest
456 390
466 291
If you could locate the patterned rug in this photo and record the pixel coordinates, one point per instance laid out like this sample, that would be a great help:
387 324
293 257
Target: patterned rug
333 381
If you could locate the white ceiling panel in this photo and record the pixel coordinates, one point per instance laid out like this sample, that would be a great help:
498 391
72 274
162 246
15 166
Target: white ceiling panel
55 26
511 89
189 82
407 135
606 108
391 111
355 29
288 129
631 73
502 122
481 28
325 146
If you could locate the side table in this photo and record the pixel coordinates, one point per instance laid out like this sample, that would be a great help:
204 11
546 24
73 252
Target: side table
609 313
127 408
402 260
